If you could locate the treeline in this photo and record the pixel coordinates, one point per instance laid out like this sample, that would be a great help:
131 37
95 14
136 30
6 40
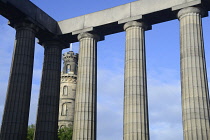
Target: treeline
63 133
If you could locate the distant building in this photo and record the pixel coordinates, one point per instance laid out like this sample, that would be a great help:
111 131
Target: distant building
68 89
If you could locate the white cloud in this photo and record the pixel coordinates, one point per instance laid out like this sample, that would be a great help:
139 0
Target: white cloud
165 131
164 104
110 104
164 94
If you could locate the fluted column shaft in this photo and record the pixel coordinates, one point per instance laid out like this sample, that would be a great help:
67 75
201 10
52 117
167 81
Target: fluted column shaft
136 124
195 94
85 106
16 111
48 106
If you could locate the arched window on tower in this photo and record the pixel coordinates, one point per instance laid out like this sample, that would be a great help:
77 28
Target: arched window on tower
65 90
68 69
64 109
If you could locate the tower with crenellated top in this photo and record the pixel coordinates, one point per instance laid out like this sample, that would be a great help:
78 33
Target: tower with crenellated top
68 89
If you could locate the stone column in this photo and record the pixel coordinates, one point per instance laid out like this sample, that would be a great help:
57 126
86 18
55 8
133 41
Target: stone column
16 111
195 94
48 107
85 106
136 123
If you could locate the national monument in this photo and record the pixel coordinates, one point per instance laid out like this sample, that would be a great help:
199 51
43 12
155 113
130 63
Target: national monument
134 18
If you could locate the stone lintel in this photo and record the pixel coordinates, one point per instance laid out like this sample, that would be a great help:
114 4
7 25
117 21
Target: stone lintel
12 9
106 22
25 10
156 11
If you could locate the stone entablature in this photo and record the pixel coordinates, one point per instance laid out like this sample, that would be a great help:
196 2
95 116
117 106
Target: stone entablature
137 10
156 11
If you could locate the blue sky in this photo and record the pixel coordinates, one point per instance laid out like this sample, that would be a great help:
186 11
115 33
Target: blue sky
163 70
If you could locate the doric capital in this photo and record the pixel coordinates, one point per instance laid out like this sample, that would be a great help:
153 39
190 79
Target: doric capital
88 35
23 25
135 24
53 44
189 10
52 41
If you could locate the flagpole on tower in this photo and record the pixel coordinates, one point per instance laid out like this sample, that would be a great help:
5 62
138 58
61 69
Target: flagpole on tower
71 46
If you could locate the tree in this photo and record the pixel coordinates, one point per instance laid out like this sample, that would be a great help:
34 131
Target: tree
65 133
31 130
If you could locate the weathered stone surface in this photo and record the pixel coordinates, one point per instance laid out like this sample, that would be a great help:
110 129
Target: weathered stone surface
104 22
30 11
86 96
67 102
136 123
195 92
16 111
109 17
68 89
48 106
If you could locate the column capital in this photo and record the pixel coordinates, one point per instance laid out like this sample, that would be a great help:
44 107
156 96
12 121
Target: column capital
88 35
135 24
189 10
53 42
21 24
